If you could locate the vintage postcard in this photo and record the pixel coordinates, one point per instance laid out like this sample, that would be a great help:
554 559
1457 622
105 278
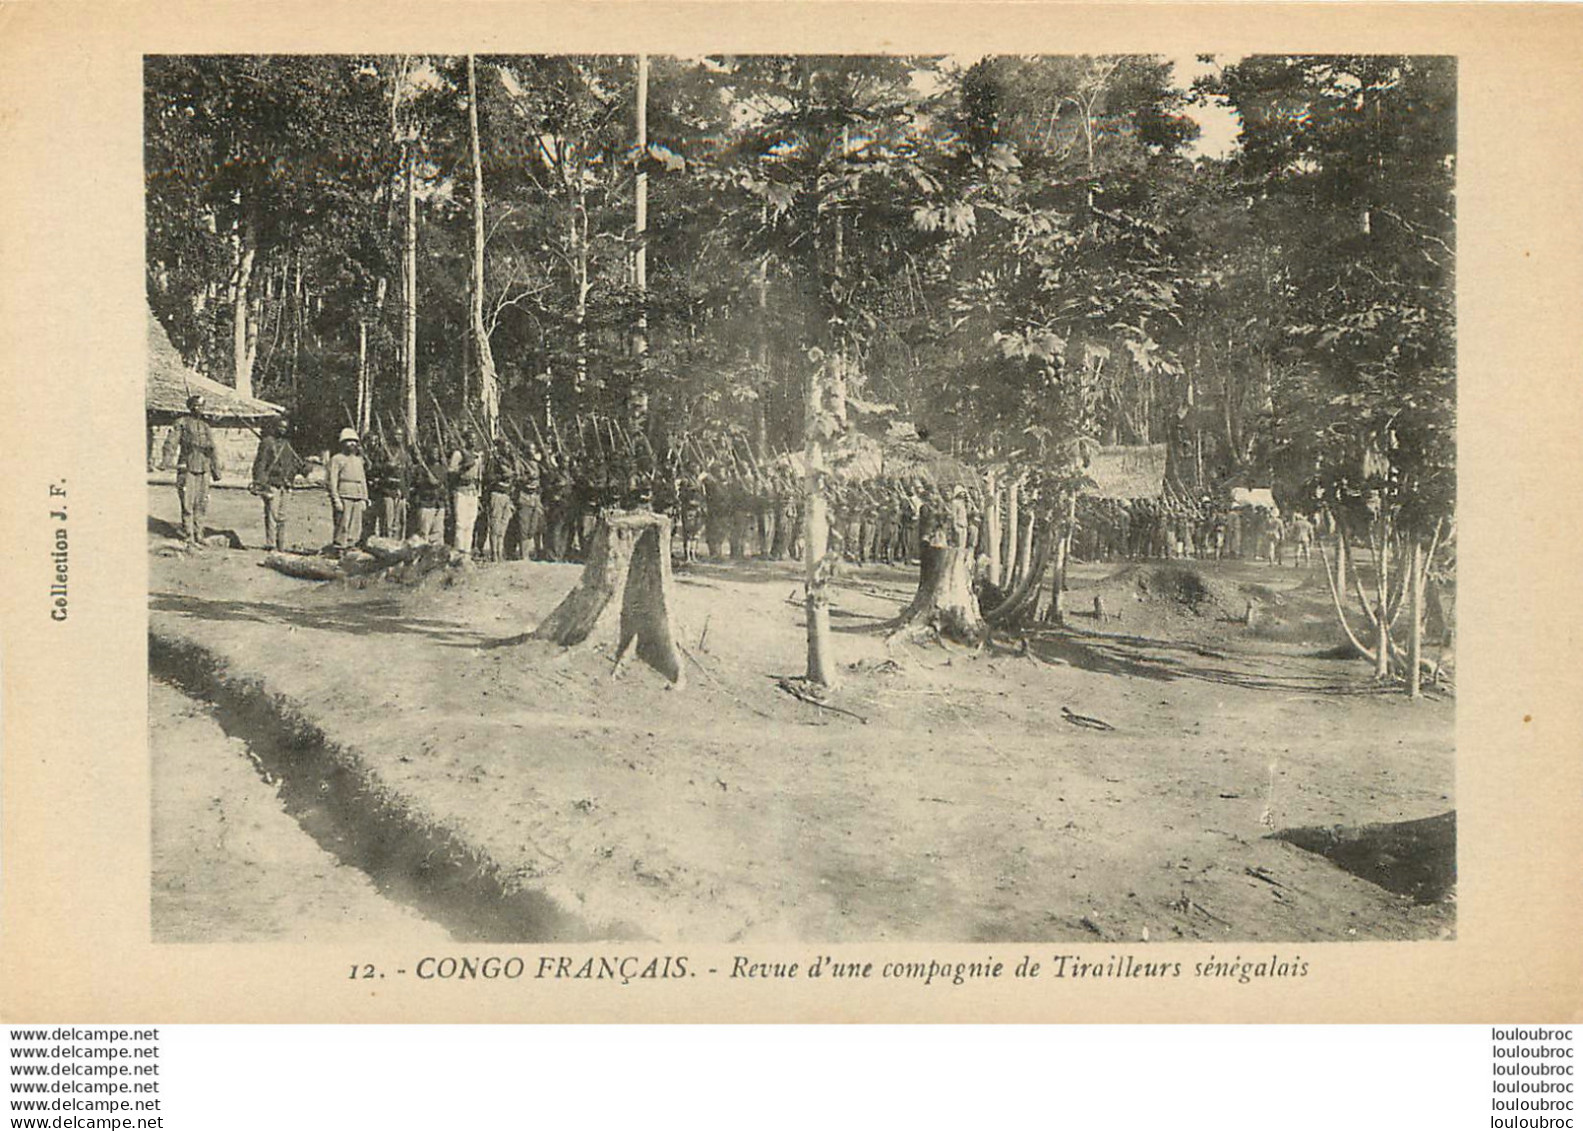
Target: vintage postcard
697 512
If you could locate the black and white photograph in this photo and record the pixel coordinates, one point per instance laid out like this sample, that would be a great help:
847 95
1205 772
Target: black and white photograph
746 499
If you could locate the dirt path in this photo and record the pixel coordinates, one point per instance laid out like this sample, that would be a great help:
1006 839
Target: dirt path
229 864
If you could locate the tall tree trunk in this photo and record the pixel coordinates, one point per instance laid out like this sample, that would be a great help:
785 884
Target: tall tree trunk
760 417
243 253
816 531
409 289
1415 637
992 525
639 403
1008 550
1341 559
296 323
1063 558
1382 569
364 392
488 385
579 236
1024 545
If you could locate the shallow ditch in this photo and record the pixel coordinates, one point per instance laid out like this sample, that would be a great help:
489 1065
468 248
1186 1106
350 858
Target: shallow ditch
325 788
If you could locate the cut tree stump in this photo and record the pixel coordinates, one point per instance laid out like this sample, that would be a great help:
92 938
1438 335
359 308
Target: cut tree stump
944 601
630 556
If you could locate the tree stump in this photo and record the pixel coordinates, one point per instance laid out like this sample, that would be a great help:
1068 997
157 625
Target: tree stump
630 556
944 601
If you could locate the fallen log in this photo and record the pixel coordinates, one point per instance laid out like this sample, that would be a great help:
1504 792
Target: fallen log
310 569
630 556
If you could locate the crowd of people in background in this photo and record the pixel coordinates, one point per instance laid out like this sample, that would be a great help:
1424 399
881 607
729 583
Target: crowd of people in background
506 501
1115 529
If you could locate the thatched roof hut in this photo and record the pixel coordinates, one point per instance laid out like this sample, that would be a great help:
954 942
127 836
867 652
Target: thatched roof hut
234 417
1127 471
171 381
859 457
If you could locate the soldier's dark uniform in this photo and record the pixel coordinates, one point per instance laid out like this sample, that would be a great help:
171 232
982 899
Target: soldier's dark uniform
190 446
530 506
500 491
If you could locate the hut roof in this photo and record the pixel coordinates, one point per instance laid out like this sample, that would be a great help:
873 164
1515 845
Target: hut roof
1122 471
171 381
857 456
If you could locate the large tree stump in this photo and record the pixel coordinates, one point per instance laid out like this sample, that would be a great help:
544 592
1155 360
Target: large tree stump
630 556
944 601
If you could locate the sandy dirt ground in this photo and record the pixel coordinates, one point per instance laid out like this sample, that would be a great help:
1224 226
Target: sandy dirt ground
230 865
964 807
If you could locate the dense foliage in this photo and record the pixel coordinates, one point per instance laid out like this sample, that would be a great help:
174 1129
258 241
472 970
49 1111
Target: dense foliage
1021 256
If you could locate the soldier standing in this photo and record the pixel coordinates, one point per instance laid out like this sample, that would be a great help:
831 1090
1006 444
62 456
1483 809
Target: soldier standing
390 480
274 468
501 488
347 483
466 470
1302 535
556 489
191 445
530 505
1275 531
428 496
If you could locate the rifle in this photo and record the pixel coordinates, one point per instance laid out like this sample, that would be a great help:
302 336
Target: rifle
445 429
555 429
545 448
597 442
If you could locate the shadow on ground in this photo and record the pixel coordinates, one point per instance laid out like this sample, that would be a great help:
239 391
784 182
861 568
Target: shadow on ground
1164 660
367 618
1412 858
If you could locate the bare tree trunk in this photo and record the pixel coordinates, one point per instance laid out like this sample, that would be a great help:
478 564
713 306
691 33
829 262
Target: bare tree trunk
364 408
488 385
992 525
296 322
1341 559
1063 558
243 253
1008 551
409 292
1382 567
816 531
1415 637
1026 595
580 307
1025 545
640 267
760 418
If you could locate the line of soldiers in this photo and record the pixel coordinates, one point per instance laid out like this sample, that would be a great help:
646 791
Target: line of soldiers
758 513
1114 529
508 501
